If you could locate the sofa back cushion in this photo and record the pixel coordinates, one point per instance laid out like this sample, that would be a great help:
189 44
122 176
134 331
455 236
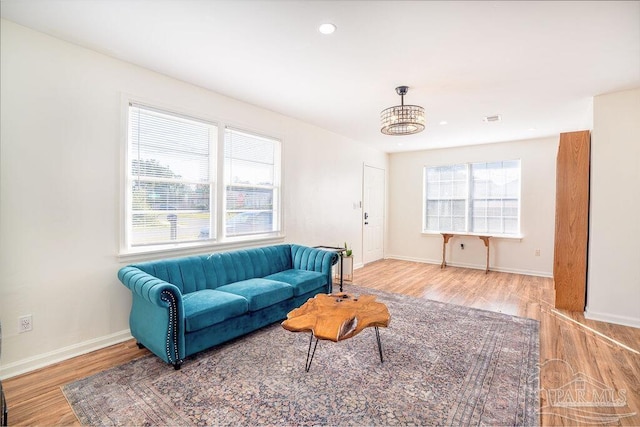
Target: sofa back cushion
251 263
196 273
189 274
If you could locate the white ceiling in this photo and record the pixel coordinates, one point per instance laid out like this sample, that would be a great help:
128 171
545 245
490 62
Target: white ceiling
537 64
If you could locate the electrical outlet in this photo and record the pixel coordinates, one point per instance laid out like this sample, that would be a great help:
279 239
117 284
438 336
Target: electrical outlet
25 323
537 252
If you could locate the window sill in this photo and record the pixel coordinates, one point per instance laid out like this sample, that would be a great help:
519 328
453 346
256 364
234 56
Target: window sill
166 251
461 233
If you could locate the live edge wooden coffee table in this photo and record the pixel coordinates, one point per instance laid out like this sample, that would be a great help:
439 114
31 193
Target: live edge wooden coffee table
337 317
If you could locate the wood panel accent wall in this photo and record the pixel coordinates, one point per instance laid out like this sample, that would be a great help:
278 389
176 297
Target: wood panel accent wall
572 220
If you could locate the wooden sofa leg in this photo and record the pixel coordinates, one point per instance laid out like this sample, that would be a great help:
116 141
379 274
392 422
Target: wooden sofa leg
177 366
140 346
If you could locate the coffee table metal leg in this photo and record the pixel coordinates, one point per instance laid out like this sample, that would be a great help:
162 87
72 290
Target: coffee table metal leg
307 364
379 343
310 353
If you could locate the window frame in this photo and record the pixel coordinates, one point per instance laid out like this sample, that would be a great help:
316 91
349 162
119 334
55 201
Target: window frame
471 200
127 252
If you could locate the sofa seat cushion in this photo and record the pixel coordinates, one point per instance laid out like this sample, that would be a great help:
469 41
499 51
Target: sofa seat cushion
303 281
208 307
260 292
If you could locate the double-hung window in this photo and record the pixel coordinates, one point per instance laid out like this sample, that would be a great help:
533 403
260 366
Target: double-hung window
180 191
473 198
251 183
171 177
446 198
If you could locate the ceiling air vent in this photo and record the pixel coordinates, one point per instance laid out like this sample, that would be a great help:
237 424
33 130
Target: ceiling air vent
495 118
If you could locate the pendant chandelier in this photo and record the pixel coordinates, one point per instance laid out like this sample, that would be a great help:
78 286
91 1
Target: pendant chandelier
402 119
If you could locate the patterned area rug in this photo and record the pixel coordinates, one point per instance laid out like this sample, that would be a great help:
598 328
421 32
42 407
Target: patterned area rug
443 365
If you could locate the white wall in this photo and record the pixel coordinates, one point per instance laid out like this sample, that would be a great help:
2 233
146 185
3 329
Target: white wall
613 279
60 189
538 163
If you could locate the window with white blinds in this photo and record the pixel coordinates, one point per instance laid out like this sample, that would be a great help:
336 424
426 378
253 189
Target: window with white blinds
473 198
171 177
251 183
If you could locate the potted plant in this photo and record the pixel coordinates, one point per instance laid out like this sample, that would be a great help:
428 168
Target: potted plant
347 259
347 252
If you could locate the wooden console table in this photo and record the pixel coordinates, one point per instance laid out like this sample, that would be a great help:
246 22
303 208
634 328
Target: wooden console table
445 240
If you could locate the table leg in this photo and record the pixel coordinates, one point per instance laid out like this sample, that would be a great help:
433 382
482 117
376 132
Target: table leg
307 364
485 239
379 343
487 270
310 353
445 240
341 270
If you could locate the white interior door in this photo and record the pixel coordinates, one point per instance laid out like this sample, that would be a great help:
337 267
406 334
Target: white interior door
373 214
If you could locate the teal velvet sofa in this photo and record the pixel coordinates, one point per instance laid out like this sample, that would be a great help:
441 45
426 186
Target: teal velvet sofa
185 305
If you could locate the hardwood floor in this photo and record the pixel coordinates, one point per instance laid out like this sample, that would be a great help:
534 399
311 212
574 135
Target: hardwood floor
35 398
605 357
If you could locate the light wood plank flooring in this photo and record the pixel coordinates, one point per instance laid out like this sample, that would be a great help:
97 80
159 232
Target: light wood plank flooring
609 354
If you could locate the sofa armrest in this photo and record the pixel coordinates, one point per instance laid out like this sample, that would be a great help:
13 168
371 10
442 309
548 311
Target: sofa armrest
157 314
147 286
313 259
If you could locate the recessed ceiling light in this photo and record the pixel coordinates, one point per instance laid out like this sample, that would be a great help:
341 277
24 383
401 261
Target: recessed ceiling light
327 28
444 122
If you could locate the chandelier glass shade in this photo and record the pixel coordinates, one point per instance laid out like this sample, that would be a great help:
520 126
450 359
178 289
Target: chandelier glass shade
402 119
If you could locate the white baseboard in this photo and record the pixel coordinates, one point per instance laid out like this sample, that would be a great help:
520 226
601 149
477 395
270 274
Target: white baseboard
46 359
612 318
473 266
